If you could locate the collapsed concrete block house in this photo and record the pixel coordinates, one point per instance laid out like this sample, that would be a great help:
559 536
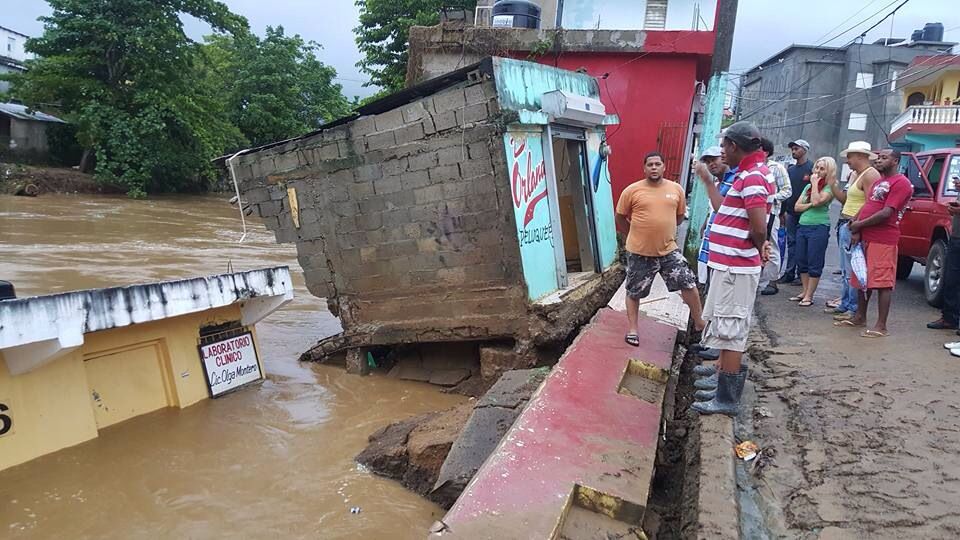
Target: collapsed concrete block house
475 206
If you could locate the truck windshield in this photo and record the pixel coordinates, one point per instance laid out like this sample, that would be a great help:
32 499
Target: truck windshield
952 173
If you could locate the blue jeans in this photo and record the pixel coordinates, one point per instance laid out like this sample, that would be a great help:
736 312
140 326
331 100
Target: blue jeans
790 271
848 295
812 242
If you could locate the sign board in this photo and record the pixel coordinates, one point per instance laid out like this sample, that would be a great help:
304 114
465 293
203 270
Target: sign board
503 21
531 209
230 363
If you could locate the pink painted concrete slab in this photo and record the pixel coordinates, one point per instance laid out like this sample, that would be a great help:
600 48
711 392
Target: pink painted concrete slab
577 429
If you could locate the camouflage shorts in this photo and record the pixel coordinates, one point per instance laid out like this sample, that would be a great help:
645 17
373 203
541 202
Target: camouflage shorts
642 270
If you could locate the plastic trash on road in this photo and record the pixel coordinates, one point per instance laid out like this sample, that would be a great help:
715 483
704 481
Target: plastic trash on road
747 450
858 263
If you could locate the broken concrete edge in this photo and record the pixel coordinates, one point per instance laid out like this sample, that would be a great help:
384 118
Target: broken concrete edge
718 508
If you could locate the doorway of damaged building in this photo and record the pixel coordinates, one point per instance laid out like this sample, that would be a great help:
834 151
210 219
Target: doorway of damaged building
576 207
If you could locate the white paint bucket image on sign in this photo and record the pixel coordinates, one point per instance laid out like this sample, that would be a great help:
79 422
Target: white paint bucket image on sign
230 363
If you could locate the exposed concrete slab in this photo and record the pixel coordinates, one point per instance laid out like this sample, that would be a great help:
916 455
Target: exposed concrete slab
577 432
662 305
719 517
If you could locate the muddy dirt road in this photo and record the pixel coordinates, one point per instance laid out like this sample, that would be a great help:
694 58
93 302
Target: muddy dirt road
270 461
867 431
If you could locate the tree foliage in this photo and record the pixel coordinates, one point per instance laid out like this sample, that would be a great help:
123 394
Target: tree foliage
154 106
274 88
383 33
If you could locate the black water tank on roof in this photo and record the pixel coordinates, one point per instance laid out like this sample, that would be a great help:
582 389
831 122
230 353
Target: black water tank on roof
933 32
516 14
917 35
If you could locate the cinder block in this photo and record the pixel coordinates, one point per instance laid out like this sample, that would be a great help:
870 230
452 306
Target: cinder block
286 162
411 230
314 230
348 224
449 99
387 184
354 240
445 120
342 177
340 209
428 194
414 112
428 245
338 193
428 126
389 120
329 151
360 191
475 167
399 151
368 173
394 166
369 221
400 199
444 174
338 133
368 254
361 127
396 219
479 151
413 132
257 195
426 215
452 155
474 94
422 161
381 140
452 276
456 190
414 180
472 114
372 204
285 235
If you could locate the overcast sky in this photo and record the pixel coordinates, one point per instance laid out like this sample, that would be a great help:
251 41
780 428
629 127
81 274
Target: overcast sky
764 27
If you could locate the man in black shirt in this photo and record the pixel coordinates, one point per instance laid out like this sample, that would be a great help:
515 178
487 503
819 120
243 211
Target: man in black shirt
799 177
951 276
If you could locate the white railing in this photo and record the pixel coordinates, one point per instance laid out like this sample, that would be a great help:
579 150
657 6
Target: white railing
927 114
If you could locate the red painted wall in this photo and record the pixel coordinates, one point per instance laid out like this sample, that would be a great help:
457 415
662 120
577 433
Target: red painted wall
646 91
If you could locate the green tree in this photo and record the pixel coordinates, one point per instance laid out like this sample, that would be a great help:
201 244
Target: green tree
123 72
274 88
383 33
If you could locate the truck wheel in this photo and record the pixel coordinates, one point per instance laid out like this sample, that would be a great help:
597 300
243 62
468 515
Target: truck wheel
904 268
933 282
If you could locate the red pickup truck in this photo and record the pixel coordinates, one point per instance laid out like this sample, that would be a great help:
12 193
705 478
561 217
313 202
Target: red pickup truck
925 227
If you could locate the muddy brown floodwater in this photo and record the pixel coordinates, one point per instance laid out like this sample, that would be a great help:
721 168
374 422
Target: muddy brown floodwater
274 460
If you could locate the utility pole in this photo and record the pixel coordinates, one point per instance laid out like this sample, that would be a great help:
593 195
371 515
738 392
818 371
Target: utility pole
724 25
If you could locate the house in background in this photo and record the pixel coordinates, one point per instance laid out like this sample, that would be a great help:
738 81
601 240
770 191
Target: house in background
12 54
646 56
24 130
831 96
931 105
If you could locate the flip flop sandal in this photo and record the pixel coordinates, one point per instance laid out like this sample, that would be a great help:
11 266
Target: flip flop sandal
797 298
847 323
843 316
832 304
872 334
632 339
805 303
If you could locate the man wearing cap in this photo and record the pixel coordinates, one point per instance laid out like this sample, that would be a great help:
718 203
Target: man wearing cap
799 174
738 249
877 225
713 169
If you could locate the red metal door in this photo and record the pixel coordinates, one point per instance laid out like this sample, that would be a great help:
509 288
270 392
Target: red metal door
916 226
671 139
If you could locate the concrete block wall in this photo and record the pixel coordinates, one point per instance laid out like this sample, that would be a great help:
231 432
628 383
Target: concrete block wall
405 216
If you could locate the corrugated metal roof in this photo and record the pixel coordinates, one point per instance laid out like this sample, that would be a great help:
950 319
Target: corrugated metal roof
21 112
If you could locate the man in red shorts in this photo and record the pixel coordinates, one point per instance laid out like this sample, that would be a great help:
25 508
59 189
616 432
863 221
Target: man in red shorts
877 226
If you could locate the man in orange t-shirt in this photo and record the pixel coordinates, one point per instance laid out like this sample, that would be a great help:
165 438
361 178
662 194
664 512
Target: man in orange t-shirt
651 210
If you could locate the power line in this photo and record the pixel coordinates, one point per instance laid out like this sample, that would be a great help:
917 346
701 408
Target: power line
859 11
821 72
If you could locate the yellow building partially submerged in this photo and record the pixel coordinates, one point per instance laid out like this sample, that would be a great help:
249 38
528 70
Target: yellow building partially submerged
74 363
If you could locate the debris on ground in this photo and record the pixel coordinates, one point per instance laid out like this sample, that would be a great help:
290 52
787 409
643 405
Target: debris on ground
747 450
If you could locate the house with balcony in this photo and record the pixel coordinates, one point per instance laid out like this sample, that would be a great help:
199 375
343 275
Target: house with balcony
649 58
931 104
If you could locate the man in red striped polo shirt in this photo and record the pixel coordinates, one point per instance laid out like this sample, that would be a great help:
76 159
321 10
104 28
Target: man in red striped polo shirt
738 249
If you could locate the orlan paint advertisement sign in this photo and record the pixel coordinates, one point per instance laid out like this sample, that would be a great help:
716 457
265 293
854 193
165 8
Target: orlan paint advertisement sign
531 207
230 363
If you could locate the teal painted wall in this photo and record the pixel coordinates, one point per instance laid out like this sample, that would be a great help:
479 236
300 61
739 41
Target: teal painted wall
528 187
699 203
602 191
520 84
924 142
